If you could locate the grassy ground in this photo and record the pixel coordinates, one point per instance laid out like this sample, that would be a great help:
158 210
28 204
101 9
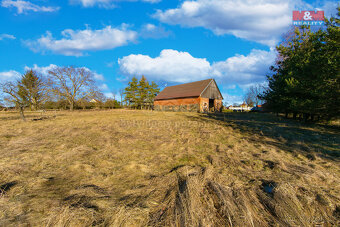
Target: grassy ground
141 168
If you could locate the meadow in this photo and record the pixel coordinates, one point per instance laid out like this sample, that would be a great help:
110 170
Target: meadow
147 168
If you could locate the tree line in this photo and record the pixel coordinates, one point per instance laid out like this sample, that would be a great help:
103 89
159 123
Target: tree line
140 94
305 78
71 88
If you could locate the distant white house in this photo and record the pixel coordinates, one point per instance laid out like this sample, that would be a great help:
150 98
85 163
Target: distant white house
243 107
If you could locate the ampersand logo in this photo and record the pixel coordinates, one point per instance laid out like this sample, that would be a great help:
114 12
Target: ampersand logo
307 16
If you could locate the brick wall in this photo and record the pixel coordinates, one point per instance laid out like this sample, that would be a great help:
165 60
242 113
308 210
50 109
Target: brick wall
185 104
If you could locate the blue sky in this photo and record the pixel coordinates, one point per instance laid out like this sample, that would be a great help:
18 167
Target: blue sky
168 41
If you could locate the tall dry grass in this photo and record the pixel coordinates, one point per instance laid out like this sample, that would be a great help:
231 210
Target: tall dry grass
141 168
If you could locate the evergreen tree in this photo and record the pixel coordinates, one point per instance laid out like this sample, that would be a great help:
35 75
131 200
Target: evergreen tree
142 94
131 92
152 92
139 94
305 79
32 89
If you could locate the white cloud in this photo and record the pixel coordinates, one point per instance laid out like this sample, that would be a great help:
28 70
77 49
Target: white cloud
150 27
232 86
9 75
181 67
45 69
330 8
90 3
13 75
245 87
103 87
243 69
261 21
75 42
112 95
171 65
108 95
231 99
109 64
25 6
6 36
153 31
97 76
106 3
42 70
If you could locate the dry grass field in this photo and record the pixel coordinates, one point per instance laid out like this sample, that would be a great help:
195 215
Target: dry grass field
143 168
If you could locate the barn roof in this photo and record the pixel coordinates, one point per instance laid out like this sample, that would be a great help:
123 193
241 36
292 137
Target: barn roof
193 89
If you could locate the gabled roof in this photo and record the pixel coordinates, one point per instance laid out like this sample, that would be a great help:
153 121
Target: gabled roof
193 89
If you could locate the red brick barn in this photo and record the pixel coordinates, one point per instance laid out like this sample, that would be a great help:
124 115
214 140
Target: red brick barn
199 96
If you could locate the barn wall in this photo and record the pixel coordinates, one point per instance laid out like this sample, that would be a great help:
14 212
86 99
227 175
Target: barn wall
212 92
184 104
218 105
183 101
203 102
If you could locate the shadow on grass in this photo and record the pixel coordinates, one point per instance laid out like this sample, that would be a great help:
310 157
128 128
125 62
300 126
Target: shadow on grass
289 135
29 116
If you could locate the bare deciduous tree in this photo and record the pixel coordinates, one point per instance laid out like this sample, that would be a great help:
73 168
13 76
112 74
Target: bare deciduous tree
248 99
72 84
113 92
121 93
251 97
12 92
1 99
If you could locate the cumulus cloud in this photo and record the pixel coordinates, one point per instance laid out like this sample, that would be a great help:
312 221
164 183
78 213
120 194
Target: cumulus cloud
171 65
181 67
330 8
26 6
6 36
231 99
243 69
12 75
109 64
231 86
42 70
103 87
97 76
108 95
45 69
76 42
106 3
260 21
153 31
9 75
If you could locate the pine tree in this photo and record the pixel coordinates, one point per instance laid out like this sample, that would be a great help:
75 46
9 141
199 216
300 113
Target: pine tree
143 87
31 88
305 79
131 92
152 92
139 94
